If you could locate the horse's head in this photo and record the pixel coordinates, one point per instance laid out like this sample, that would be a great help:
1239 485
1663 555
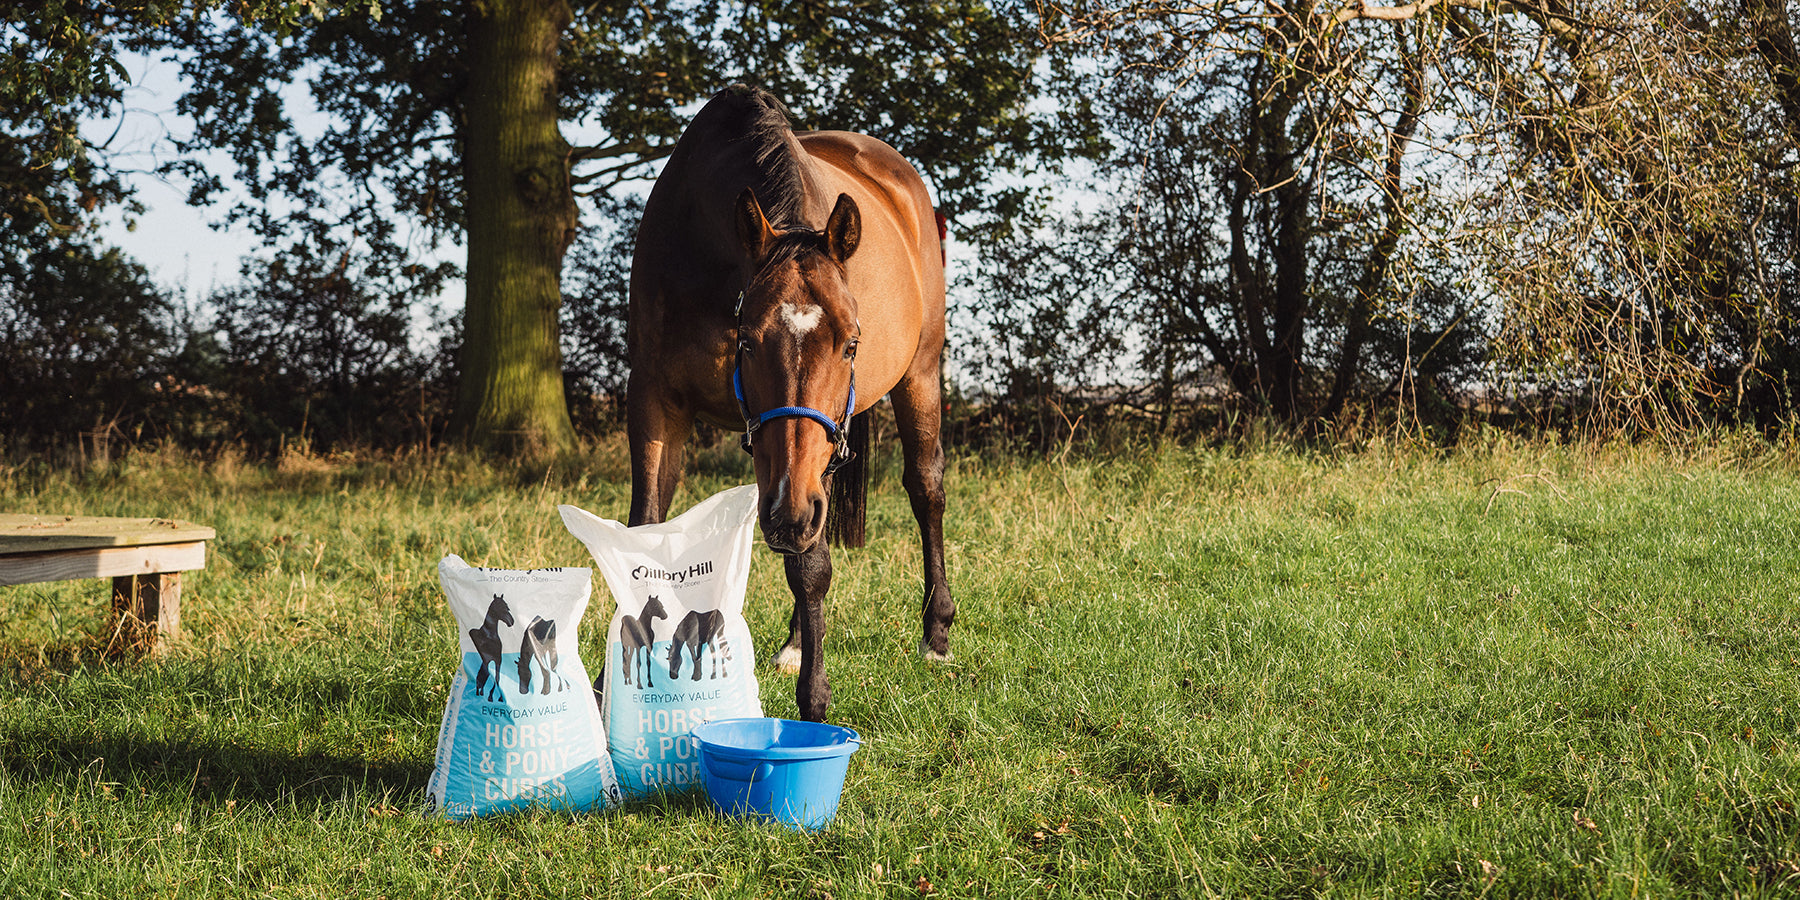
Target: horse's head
499 611
795 372
653 609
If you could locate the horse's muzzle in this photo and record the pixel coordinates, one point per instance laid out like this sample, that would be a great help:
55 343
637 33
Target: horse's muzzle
793 526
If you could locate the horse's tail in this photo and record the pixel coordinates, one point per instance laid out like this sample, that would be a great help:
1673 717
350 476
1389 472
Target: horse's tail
845 525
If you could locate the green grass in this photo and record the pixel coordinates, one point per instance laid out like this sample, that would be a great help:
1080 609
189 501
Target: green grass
1517 670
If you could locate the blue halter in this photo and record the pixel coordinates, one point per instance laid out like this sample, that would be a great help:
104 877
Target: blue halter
752 421
790 412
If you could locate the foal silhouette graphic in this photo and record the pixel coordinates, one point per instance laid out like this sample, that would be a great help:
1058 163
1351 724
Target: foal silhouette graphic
487 643
637 634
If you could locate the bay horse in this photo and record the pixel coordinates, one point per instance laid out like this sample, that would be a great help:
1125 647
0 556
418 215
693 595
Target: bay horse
783 282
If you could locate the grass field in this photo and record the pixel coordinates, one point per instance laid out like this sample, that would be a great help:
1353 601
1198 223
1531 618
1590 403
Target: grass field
1515 670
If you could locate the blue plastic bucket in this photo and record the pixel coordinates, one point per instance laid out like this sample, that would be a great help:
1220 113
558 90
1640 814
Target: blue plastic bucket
780 769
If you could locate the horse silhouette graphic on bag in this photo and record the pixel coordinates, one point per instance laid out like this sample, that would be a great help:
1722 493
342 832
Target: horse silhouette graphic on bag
539 645
487 643
696 631
637 635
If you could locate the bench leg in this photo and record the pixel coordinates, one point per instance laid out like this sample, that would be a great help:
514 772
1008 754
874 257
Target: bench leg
146 612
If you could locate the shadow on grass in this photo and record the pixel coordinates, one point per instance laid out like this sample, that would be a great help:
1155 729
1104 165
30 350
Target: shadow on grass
144 725
206 772
682 805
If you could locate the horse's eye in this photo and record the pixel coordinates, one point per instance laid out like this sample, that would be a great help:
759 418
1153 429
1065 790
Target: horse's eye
744 348
850 350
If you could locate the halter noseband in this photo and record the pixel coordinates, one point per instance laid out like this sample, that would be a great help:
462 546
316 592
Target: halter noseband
840 443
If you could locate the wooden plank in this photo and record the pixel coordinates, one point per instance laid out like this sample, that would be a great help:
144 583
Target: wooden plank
101 562
24 533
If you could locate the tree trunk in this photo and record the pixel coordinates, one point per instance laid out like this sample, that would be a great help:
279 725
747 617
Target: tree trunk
1775 44
1387 241
521 217
1283 366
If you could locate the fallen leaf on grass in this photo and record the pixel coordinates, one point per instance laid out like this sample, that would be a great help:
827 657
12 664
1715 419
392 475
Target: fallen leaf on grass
925 886
1585 824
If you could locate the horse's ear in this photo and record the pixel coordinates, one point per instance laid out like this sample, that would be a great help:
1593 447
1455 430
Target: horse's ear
843 231
753 228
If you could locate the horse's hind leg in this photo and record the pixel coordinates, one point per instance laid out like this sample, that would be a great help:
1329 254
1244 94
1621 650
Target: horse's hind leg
918 412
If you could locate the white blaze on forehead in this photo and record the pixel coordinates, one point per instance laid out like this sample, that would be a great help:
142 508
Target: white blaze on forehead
801 321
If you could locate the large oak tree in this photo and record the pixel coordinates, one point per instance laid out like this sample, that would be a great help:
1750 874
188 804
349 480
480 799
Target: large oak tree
448 121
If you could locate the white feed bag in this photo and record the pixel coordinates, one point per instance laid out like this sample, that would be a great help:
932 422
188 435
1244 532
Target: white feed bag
678 650
521 729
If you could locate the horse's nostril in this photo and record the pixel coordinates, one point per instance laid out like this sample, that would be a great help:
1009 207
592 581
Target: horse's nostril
818 513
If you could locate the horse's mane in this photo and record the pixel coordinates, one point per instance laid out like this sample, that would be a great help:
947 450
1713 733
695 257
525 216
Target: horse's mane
780 187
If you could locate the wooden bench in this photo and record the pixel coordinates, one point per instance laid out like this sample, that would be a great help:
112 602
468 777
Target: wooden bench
143 557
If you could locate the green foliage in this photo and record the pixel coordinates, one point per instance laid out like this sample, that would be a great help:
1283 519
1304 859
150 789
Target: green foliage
62 64
84 335
319 341
596 286
1518 670
92 347
950 85
59 65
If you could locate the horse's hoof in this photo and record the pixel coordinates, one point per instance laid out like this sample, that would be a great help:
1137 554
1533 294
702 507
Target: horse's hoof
788 660
931 655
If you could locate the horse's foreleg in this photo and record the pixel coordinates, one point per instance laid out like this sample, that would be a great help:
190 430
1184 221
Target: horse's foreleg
918 406
788 660
493 683
809 577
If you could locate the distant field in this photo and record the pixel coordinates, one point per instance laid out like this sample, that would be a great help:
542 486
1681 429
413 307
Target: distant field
1514 670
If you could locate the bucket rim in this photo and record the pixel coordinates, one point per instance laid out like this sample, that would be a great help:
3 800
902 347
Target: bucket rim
849 743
